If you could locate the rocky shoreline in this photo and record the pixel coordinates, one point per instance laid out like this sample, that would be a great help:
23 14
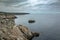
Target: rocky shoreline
10 31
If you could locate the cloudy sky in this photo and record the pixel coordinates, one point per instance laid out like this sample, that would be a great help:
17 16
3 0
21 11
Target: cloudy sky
31 6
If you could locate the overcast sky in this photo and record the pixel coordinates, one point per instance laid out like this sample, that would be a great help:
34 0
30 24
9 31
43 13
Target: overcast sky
32 6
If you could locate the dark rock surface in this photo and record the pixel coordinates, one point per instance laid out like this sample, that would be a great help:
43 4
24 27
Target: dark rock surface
31 21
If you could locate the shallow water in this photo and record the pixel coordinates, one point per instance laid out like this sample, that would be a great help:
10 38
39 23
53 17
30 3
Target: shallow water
46 24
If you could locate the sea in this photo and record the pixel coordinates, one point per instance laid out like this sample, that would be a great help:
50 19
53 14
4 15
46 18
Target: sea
47 25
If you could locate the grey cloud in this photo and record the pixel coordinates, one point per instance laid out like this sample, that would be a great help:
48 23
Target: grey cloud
53 7
10 2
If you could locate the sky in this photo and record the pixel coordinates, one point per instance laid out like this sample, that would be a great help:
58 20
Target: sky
31 6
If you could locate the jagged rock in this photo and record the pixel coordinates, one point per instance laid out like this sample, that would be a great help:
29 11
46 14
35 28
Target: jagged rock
10 31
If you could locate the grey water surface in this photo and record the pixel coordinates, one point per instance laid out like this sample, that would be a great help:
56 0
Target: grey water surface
48 25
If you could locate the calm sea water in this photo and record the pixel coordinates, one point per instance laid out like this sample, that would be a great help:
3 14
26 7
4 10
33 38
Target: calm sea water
46 24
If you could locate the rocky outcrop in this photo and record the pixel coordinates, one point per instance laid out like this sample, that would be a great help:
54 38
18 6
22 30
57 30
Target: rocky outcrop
10 31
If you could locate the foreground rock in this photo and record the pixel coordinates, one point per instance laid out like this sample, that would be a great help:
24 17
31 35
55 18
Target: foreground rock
10 31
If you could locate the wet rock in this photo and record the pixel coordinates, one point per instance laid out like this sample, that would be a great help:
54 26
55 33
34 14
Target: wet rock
31 21
10 31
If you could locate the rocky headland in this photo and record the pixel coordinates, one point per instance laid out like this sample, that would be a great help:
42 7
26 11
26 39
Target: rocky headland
10 31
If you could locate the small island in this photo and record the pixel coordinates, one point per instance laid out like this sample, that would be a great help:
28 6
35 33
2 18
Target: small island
31 21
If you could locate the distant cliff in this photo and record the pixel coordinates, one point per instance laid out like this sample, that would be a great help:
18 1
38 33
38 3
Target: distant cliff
13 13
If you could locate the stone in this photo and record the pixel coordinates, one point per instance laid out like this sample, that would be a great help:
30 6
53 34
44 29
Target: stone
31 21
